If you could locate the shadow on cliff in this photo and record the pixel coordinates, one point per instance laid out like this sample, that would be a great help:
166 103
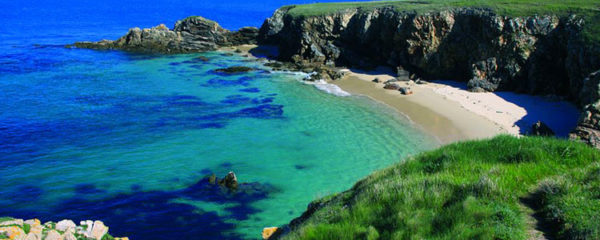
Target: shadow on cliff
161 214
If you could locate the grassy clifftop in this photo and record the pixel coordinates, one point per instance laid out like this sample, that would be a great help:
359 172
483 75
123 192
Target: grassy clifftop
489 189
588 9
504 7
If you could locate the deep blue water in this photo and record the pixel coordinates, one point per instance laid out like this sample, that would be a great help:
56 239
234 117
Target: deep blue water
127 138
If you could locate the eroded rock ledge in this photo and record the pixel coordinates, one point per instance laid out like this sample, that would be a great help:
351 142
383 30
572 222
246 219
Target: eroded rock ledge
541 54
193 34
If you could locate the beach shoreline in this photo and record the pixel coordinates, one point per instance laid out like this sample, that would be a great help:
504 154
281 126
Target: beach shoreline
447 112
445 120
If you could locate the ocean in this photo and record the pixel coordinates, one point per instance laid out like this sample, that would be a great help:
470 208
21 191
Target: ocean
128 138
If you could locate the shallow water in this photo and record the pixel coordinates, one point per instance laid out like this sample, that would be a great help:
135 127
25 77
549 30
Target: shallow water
127 138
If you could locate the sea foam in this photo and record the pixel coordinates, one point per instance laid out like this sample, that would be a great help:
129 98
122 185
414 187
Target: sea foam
328 88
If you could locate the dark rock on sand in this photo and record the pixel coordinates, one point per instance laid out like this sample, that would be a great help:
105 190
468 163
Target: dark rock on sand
405 91
391 86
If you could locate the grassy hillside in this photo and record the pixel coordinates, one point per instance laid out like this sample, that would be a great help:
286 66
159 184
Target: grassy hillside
473 190
589 9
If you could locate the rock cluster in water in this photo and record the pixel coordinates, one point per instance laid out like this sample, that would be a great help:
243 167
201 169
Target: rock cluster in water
19 229
193 34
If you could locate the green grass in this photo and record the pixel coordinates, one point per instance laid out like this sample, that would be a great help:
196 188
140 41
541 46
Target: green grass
588 9
470 190
573 202
26 228
4 219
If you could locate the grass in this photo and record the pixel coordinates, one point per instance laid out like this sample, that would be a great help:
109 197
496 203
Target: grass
4 219
470 190
572 201
588 9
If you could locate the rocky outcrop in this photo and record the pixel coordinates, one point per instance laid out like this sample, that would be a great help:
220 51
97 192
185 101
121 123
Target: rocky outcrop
543 54
64 230
541 129
193 34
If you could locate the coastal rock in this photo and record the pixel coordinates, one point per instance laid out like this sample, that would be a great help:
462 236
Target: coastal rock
33 236
64 225
53 235
405 91
393 80
538 54
193 34
541 129
18 222
69 236
98 230
13 232
268 232
63 230
376 80
229 181
391 86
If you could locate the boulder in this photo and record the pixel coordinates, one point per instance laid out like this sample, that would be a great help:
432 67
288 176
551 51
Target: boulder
13 232
268 232
18 222
64 225
391 80
541 129
230 181
391 86
98 230
405 91
69 236
376 80
33 222
34 236
53 235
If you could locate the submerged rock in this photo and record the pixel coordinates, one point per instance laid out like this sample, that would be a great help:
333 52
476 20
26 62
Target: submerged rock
235 70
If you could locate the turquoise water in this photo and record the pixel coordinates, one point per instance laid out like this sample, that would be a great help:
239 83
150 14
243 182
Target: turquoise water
127 138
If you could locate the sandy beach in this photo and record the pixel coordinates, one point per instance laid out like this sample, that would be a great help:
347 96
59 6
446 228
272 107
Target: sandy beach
450 113
445 109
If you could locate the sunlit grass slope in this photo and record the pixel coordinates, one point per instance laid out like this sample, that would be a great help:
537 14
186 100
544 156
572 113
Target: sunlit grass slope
470 190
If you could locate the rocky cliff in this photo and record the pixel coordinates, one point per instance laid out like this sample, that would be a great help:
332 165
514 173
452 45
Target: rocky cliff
193 34
541 54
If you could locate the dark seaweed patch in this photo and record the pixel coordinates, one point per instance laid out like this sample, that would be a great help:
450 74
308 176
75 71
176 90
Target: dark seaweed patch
27 193
250 90
158 214
87 188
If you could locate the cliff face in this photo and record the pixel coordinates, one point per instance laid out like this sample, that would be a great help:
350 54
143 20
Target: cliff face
535 55
193 34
